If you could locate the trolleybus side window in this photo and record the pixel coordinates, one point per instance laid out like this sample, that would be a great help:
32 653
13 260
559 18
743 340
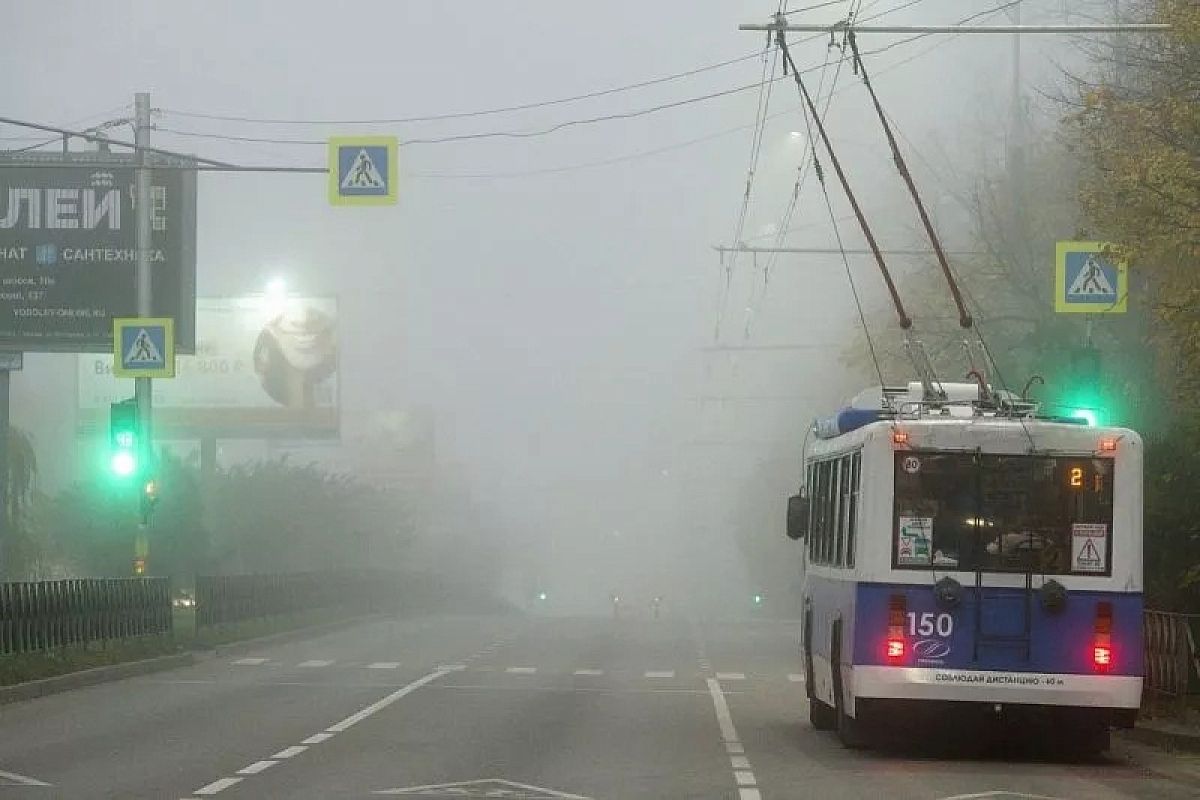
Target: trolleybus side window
855 491
1003 513
834 487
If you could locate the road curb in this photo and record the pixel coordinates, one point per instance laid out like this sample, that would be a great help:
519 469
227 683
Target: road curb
1163 738
90 677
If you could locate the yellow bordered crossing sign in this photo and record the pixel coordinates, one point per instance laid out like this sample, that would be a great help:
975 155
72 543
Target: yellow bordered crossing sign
1088 282
363 170
144 347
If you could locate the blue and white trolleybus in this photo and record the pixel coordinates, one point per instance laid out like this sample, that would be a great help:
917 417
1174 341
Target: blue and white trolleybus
964 555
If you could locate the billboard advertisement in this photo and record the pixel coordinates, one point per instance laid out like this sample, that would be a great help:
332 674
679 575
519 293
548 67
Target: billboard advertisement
264 367
68 250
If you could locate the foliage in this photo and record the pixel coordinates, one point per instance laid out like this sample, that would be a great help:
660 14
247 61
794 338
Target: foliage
1016 218
1172 522
267 516
1138 135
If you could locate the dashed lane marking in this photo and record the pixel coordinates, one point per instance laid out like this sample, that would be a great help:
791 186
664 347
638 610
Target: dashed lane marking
795 677
662 673
218 786
734 747
288 752
317 738
384 702
589 672
315 663
250 662
12 778
739 762
257 767
749 794
451 667
724 720
744 777
384 665
731 676
521 670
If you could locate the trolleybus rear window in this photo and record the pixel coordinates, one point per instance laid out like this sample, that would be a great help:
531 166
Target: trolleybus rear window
1002 513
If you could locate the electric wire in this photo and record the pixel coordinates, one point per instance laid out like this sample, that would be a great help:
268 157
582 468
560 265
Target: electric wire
760 122
784 224
905 320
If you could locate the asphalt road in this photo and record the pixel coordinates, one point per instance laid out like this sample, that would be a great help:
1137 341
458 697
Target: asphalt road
512 707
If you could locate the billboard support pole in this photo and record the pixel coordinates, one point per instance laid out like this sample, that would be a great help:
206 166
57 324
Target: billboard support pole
141 386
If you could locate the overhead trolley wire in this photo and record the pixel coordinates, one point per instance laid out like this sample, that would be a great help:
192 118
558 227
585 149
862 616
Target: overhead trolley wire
905 319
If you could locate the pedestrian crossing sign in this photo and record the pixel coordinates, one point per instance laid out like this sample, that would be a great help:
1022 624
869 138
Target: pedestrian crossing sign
362 170
1088 282
144 347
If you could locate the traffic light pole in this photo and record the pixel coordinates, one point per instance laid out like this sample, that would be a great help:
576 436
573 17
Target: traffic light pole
141 386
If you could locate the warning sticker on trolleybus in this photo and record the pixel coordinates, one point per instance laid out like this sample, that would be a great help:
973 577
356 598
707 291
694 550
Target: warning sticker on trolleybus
1089 547
915 543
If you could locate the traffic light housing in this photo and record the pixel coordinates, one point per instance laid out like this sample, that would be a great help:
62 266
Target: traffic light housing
123 438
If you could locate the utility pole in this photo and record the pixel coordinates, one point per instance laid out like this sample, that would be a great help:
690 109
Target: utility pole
142 391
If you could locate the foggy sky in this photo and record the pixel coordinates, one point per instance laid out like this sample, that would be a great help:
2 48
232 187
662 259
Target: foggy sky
553 321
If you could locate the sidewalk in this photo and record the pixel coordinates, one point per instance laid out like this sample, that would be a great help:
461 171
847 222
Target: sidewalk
1173 733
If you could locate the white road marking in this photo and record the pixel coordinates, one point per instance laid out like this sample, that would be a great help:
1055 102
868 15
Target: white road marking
218 786
521 670
21 780
749 794
728 732
317 738
384 665
314 663
734 747
731 676
250 662
257 767
384 702
744 778
795 677
999 793
662 673
489 787
451 667
739 762
591 672
288 752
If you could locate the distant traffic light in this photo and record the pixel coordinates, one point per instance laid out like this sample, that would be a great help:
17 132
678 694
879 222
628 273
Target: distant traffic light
758 598
123 438
542 595
150 499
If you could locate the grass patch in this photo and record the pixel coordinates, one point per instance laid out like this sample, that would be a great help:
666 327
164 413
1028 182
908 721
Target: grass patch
24 667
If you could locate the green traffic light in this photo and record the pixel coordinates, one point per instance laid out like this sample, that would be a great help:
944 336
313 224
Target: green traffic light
123 464
1088 415
123 438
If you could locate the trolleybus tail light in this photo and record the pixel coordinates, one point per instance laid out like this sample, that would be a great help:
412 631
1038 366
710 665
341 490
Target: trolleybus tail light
900 438
1108 445
896 647
1102 652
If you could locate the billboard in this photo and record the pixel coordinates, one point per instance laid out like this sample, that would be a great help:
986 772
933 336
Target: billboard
264 367
68 249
